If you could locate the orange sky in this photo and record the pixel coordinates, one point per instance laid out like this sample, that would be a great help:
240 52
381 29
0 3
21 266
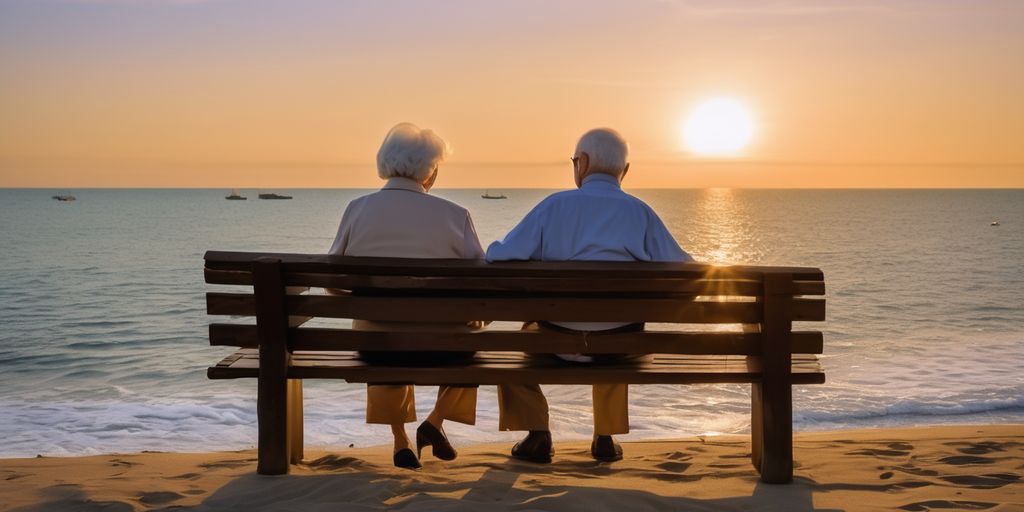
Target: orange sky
231 93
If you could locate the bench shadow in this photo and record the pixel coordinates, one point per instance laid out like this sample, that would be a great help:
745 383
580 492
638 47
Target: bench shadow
360 485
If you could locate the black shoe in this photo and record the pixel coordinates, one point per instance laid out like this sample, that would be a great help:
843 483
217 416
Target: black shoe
429 435
406 459
605 449
535 447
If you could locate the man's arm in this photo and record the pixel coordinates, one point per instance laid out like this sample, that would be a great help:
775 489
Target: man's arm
660 244
525 240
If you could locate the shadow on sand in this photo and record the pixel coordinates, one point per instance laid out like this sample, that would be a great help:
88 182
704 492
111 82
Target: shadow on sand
354 484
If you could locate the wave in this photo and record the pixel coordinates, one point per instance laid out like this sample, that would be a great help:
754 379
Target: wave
910 408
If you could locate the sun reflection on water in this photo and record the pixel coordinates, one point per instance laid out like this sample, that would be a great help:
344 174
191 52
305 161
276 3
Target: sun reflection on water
724 229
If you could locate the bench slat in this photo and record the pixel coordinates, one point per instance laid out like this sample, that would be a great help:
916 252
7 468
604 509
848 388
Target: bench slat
458 309
649 342
322 263
533 285
504 367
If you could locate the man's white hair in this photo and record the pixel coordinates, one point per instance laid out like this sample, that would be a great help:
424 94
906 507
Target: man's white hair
607 150
410 152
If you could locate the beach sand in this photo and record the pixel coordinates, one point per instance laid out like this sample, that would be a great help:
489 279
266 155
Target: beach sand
929 468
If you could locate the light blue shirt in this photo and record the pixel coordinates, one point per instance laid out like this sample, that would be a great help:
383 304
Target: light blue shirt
597 222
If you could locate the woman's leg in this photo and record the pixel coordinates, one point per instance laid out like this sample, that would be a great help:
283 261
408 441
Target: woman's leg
454 403
394 406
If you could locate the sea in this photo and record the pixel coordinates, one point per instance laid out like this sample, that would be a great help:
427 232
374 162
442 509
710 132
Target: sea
103 327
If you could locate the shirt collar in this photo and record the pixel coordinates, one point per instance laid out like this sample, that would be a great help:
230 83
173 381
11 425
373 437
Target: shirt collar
601 179
403 183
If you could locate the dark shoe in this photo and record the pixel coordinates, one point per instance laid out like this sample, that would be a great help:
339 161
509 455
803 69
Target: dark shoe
429 435
406 459
605 449
535 447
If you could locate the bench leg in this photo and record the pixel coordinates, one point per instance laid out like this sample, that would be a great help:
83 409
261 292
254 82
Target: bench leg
295 424
756 426
776 427
272 415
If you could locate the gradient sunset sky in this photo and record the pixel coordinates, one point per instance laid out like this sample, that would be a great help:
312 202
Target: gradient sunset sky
253 93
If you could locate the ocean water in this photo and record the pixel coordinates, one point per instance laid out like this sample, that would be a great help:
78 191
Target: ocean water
103 328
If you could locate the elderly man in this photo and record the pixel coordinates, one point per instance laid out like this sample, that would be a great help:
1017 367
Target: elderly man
598 221
402 220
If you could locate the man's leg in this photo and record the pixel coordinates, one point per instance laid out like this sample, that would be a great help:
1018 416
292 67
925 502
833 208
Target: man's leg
611 413
522 407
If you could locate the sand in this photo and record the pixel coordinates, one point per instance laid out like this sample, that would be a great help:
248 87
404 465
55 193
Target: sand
930 468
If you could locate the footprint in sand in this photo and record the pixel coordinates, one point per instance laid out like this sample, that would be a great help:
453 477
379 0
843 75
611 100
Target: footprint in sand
989 481
947 505
916 471
159 497
963 460
735 456
679 456
333 462
675 467
230 464
890 450
983 447
877 452
186 476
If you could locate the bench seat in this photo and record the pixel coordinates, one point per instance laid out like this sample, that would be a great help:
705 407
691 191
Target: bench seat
517 368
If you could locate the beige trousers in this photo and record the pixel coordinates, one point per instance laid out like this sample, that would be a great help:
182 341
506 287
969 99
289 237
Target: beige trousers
394 404
391 405
524 407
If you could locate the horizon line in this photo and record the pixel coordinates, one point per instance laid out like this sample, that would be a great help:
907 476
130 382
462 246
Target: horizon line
517 188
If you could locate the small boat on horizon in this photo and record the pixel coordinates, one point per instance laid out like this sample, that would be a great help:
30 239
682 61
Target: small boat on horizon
274 196
487 195
235 196
64 197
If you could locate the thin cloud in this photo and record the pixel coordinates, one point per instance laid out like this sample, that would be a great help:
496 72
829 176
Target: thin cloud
780 8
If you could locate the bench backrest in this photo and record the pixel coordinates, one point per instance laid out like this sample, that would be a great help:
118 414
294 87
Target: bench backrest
704 297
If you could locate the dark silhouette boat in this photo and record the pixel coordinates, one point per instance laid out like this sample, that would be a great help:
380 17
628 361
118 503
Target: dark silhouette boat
235 196
274 196
64 197
487 195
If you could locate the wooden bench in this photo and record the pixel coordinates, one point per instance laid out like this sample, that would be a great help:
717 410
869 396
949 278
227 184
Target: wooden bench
689 302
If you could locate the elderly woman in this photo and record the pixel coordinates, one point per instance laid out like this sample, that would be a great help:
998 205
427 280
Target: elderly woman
402 220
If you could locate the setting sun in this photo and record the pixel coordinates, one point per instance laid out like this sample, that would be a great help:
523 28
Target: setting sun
717 127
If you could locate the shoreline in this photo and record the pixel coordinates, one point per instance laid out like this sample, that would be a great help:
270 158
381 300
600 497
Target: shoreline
975 467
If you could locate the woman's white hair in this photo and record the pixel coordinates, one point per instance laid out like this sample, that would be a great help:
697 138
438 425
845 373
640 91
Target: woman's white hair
410 152
607 150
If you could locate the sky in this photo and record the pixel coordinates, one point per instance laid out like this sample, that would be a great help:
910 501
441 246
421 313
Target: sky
300 93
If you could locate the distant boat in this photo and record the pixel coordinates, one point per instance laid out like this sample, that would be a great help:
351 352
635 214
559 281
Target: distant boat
235 196
487 195
995 223
274 196
64 197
